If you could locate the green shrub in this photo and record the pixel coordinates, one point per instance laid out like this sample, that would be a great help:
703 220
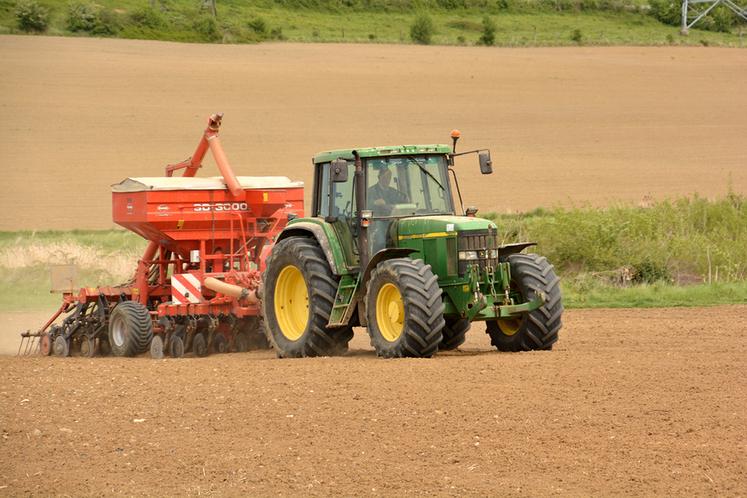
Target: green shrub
81 17
208 28
259 27
649 272
577 36
31 16
422 29
147 17
666 11
89 18
488 32
277 34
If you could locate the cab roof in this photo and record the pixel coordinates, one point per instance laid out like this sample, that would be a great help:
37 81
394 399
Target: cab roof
393 150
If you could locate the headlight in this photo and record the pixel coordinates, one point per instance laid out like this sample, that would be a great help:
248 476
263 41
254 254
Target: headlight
475 255
468 255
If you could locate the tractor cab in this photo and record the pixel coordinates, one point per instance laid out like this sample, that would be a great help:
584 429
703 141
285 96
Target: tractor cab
398 183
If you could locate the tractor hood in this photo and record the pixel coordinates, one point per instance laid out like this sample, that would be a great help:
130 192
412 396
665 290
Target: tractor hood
439 226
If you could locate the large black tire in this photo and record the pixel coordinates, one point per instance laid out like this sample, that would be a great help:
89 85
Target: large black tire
130 329
454 334
403 294
299 291
537 329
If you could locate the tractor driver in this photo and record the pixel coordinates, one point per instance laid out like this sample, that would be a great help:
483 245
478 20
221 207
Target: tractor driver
381 197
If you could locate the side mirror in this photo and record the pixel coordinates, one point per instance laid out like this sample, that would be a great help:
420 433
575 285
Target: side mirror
486 165
339 170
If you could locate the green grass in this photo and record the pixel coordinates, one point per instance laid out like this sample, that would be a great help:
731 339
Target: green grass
653 295
102 258
518 22
685 241
685 252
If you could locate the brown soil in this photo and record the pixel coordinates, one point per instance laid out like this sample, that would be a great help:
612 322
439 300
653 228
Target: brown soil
630 402
565 125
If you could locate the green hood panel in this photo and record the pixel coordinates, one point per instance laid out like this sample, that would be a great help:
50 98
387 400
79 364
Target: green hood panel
444 226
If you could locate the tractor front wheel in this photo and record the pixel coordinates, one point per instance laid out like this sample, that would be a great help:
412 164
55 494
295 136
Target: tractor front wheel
404 309
537 329
130 329
300 291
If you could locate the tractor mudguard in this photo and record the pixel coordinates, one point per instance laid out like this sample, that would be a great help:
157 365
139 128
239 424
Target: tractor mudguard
383 255
324 235
505 251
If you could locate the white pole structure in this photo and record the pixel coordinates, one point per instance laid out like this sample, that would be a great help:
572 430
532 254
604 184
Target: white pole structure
700 14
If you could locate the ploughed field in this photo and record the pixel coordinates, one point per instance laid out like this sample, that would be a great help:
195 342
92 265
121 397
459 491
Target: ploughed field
565 125
643 402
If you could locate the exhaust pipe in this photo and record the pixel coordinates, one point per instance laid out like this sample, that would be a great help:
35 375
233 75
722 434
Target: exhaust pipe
232 290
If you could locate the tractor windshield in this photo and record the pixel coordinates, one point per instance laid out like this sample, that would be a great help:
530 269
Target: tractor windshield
408 186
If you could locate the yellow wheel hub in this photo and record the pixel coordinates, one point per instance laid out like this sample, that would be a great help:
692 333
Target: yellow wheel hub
291 302
509 326
390 312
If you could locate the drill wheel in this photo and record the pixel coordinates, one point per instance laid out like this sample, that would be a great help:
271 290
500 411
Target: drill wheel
87 346
176 346
61 347
156 347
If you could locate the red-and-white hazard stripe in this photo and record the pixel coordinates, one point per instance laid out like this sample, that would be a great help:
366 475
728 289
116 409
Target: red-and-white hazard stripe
186 288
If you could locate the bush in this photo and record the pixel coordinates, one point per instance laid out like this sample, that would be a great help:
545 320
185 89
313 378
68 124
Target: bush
207 27
577 36
649 272
666 11
488 32
422 30
147 18
80 17
32 17
107 23
259 26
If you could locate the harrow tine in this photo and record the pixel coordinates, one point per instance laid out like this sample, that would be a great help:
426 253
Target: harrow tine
30 343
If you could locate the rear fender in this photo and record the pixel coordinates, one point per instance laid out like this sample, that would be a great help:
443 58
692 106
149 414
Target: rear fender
325 236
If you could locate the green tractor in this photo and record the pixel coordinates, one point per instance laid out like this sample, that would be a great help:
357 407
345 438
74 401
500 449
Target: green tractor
388 248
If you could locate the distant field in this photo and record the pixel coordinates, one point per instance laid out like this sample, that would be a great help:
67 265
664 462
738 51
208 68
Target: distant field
455 22
566 126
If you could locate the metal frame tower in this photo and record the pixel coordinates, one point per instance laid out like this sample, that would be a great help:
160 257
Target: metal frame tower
698 13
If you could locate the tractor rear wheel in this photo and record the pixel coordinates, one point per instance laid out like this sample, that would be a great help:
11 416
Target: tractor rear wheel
130 329
404 309
537 329
300 290
454 334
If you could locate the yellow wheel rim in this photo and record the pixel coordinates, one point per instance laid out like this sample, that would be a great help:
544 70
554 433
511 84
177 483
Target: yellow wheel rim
390 312
509 326
291 302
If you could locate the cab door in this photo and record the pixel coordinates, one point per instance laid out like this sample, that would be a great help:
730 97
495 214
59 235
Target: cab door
342 218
